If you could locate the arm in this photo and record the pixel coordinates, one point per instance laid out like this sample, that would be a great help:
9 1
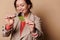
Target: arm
37 28
6 31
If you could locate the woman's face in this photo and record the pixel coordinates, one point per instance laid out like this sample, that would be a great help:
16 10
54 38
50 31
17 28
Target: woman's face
21 6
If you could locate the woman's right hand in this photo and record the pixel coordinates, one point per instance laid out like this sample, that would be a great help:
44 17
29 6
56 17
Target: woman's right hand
9 20
9 23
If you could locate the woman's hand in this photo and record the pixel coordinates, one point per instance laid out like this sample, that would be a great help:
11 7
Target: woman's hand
9 20
31 24
32 28
9 23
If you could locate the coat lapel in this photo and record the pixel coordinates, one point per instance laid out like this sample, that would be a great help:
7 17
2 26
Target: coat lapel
16 21
26 30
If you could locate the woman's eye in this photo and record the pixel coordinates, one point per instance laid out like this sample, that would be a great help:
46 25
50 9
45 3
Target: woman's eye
17 6
22 5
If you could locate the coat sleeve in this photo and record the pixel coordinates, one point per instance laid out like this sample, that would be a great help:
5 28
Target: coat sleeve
5 32
38 30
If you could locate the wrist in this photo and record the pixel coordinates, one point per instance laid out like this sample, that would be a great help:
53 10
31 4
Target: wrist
8 27
33 31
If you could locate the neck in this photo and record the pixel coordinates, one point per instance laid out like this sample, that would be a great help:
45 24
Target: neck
26 14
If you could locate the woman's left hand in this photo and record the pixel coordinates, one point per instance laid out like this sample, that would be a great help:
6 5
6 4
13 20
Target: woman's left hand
30 23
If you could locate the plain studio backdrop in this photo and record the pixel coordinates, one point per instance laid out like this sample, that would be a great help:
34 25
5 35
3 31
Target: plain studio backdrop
47 10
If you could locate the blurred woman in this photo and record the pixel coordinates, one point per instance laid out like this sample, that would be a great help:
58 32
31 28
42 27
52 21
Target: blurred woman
24 25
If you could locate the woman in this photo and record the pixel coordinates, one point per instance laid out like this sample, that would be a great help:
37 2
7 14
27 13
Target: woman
24 25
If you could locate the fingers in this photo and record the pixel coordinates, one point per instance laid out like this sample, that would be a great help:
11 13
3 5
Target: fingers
30 23
9 20
10 17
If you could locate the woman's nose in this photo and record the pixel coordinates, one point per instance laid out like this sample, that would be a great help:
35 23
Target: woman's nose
19 9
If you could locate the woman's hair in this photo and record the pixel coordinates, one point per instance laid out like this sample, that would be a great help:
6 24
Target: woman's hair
27 1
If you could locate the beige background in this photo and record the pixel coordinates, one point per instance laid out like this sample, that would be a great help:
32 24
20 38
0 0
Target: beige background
47 10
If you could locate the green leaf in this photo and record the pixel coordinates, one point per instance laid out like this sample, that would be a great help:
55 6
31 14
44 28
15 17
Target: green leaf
21 18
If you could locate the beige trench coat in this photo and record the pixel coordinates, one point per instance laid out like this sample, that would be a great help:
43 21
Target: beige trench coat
26 35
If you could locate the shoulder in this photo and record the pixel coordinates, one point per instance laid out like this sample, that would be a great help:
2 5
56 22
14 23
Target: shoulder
35 16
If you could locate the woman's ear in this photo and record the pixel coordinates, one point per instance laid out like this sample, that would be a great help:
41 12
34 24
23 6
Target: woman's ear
28 6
